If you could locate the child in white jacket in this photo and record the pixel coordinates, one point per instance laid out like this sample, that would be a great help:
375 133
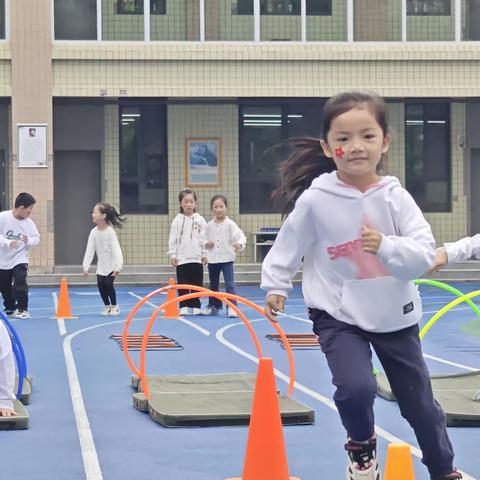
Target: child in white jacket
186 251
223 239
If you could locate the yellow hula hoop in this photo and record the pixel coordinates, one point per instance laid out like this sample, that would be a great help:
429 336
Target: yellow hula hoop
445 309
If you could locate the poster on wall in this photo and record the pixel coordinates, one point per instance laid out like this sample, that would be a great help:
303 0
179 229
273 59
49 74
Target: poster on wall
32 145
203 162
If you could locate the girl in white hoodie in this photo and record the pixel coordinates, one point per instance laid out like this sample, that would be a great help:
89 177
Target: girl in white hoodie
363 241
186 250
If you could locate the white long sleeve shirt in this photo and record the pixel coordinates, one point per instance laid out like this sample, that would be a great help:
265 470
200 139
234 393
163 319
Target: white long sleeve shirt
109 254
12 228
185 242
7 369
224 236
374 292
463 249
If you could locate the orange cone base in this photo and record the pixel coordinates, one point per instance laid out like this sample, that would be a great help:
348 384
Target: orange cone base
240 478
63 318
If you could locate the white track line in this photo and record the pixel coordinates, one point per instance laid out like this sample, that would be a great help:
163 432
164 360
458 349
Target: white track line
60 321
312 393
188 322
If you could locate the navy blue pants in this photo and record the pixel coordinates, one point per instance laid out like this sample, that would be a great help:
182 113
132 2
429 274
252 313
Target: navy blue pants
106 289
16 295
214 270
347 349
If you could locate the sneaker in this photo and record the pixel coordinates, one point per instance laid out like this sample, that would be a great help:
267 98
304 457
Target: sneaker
9 313
23 314
198 311
183 311
209 311
453 475
231 313
105 311
362 460
114 310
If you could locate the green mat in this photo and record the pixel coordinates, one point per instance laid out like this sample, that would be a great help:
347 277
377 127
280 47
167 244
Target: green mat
20 422
456 394
210 400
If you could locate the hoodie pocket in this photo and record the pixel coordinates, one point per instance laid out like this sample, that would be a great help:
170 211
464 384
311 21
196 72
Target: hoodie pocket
381 304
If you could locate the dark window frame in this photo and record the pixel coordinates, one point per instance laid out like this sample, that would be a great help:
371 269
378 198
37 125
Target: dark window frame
446 10
448 124
139 103
247 9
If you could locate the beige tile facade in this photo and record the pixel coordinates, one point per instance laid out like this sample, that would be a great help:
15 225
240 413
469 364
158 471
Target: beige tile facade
221 73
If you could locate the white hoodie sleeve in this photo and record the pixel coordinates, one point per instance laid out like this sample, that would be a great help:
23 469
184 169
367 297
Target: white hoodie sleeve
33 235
285 257
173 239
203 226
463 249
117 255
7 370
409 254
89 252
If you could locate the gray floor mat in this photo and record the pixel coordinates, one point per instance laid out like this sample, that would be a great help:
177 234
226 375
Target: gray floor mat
25 397
20 422
210 400
454 392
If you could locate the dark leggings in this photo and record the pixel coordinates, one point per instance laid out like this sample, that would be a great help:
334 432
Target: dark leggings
15 296
190 274
106 289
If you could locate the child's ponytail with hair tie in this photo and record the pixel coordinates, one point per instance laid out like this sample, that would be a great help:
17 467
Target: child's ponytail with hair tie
305 163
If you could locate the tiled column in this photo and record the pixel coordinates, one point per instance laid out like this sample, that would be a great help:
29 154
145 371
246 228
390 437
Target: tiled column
31 48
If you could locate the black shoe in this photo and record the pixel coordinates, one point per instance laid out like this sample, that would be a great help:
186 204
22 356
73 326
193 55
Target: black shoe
8 313
453 475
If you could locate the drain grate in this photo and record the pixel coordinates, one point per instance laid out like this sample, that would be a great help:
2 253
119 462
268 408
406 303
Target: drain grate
298 341
155 342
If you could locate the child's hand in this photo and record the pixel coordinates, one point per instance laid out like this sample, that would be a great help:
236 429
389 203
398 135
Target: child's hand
7 412
209 244
237 247
14 244
24 239
371 240
115 273
275 304
441 259
173 262
85 272
204 261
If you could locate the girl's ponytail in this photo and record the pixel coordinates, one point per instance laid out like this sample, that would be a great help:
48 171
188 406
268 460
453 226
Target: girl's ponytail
305 162
111 214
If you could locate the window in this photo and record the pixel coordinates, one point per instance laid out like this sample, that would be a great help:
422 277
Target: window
158 7
284 7
428 7
428 158
126 7
75 20
262 127
143 159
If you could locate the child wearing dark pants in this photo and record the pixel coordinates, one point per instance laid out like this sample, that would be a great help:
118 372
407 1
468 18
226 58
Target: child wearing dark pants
186 251
362 241
18 233
401 356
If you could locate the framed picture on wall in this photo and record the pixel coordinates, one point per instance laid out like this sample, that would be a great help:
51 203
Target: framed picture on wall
203 162
32 145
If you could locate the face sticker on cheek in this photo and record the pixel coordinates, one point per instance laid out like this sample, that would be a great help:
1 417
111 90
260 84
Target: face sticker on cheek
339 152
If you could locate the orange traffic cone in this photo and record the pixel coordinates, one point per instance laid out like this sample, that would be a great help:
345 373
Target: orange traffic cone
399 465
172 311
265 457
63 307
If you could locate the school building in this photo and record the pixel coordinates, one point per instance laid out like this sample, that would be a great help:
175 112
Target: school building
130 101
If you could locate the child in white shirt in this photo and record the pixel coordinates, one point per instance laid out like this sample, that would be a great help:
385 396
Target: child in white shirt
18 233
104 242
186 251
223 239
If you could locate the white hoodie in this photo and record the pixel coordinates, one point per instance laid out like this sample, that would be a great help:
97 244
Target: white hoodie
224 235
463 249
374 292
185 241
